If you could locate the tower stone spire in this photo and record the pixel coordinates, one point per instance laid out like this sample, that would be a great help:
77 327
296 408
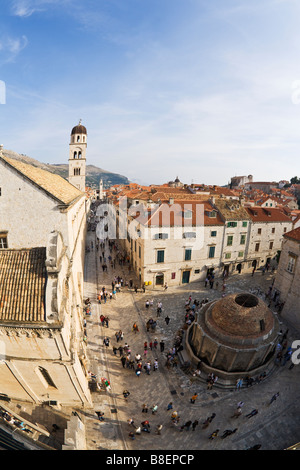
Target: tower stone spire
77 156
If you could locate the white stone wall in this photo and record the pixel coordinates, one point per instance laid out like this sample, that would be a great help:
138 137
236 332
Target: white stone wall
32 218
288 283
265 238
27 213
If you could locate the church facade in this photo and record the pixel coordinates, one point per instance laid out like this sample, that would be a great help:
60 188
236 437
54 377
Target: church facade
42 232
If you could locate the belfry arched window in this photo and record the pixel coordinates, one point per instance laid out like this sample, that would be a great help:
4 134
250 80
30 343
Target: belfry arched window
75 154
76 171
79 154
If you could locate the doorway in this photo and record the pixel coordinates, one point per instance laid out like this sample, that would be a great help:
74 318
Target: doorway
186 277
159 280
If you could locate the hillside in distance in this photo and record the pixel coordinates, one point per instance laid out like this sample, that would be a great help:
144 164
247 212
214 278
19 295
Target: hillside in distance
93 173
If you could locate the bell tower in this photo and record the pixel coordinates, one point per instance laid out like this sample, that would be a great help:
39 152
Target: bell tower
77 157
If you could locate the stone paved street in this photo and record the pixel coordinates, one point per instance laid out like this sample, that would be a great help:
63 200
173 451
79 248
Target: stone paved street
275 427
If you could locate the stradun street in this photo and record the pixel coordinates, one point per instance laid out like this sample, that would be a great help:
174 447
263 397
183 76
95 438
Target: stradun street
276 424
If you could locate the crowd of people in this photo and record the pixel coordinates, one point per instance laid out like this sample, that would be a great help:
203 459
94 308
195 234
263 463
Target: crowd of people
150 356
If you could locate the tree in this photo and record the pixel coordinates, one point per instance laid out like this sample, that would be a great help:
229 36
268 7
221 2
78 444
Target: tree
295 180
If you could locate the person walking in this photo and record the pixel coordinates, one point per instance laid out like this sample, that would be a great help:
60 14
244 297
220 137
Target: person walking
167 320
214 435
237 413
154 409
239 383
253 413
145 408
123 360
195 424
274 397
187 425
170 406
208 421
162 346
228 432
158 429
193 399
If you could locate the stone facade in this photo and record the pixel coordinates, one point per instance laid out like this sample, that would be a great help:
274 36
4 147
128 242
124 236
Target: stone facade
235 335
287 281
77 158
45 359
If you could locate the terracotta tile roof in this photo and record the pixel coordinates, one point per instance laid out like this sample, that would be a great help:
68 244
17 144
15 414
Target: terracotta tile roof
55 185
267 214
22 285
293 234
169 215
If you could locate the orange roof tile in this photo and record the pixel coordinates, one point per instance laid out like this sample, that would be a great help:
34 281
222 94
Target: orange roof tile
293 234
22 285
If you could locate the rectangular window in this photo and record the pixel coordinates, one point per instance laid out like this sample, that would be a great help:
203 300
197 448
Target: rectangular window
3 241
140 252
161 236
189 235
271 245
291 264
243 239
213 233
197 271
241 254
257 246
188 254
245 224
229 240
212 214
187 214
160 256
259 231
227 255
211 253
232 224
173 275
273 230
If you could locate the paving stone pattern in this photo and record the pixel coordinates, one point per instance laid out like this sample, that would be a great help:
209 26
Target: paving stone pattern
275 427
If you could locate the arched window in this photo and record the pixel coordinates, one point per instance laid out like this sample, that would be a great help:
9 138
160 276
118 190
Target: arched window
83 138
76 171
78 138
79 154
75 154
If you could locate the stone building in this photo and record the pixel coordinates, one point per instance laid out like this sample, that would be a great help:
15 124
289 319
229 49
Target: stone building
238 181
173 242
233 337
235 236
42 246
287 281
268 225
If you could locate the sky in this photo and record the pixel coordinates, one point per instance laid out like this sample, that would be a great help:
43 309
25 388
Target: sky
200 89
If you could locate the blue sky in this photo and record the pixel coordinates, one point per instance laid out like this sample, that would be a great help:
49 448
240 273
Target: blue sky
200 89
